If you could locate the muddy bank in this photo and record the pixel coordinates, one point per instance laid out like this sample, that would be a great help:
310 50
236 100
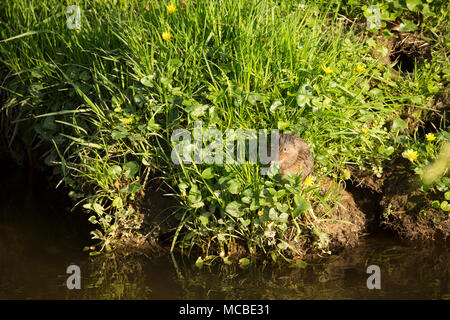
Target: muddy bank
364 205
409 211
402 207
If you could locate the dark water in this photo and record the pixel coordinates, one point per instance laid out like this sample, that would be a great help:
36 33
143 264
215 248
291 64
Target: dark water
40 238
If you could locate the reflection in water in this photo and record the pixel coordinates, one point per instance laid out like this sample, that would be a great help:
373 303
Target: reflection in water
39 239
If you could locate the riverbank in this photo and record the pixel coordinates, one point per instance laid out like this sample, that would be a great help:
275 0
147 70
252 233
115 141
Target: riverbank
94 96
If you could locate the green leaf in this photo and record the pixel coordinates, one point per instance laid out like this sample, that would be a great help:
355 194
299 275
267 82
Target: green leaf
386 151
234 209
447 195
282 245
275 105
199 111
283 217
199 262
148 81
132 188
432 87
246 200
436 204
98 208
208 173
280 193
176 63
117 135
445 206
302 100
302 205
273 215
117 202
399 124
441 186
283 125
195 197
446 181
234 186
407 26
323 238
114 171
84 75
244 262
282 207
36 73
130 168
93 220
204 220
140 99
426 11
300 264
402 139
197 204
412 4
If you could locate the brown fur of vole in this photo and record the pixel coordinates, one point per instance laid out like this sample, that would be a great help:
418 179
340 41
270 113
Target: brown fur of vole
294 156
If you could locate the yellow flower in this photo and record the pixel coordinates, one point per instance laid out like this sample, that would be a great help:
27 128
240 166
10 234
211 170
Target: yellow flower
308 181
359 68
365 130
430 136
166 35
126 120
411 155
171 8
347 174
327 70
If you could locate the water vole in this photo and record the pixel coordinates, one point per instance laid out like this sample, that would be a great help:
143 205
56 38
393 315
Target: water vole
294 156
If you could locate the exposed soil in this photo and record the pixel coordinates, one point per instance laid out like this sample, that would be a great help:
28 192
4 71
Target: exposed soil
346 222
399 204
403 51
440 103
407 49
408 211
153 214
366 180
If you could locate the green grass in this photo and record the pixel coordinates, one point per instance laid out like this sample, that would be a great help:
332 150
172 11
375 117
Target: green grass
100 106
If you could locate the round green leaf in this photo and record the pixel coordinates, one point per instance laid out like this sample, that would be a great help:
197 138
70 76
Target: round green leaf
445 206
283 125
399 124
148 81
234 186
199 262
273 215
302 205
412 4
130 168
92 220
302 100
447 195
234 209
114 171
117 202
436 204
208 173
407 26
244 262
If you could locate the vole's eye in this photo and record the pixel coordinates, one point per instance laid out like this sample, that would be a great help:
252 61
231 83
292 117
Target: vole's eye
285 149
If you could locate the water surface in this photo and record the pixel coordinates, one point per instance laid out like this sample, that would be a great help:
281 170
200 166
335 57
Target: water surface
40 238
